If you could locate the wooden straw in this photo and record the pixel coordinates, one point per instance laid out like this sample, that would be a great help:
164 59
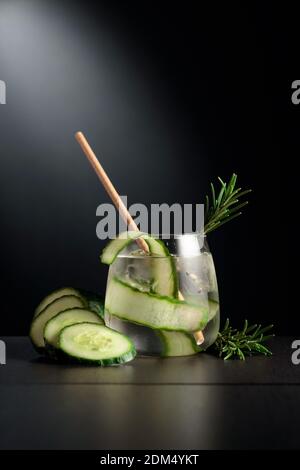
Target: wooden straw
117 201
109 188
199 337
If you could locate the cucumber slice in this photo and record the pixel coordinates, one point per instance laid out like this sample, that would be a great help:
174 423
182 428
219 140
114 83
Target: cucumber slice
114 247
176 343
213 304
54 326
95 344
38 323
93 301
155 311
56 294
163 270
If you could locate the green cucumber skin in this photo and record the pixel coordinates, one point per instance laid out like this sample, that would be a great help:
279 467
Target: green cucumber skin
96 319
173 292
108 257
131 236
76 292
93 301
200 326
114 361
58 355
61 356
151 244
166 349
40 349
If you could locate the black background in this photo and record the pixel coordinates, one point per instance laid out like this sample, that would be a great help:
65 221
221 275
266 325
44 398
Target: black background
170 96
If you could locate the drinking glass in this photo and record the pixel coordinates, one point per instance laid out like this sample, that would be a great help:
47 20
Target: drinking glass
196 285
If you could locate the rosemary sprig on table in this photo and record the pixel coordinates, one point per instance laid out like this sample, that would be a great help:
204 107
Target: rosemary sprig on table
233 343
225 206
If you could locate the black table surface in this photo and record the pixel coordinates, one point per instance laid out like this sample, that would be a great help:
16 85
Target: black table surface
198 402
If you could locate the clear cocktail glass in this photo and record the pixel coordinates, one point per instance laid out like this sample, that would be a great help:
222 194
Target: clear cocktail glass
146 292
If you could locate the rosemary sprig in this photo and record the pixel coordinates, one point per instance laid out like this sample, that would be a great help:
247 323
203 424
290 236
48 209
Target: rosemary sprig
232 343
225 206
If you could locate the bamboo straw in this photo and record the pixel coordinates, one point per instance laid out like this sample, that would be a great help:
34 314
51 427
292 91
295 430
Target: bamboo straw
199 337
109 188
117 201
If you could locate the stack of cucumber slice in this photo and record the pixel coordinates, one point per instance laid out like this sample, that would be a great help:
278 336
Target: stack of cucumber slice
160 309
68 324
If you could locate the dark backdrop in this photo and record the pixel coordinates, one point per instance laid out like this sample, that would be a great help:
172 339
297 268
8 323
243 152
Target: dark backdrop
170 96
